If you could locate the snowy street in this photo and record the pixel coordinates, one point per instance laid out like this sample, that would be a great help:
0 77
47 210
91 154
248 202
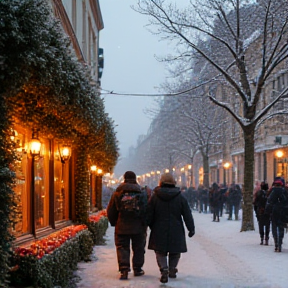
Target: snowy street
219 256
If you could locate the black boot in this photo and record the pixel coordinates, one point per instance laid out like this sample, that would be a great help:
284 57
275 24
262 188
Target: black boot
261 243
172 272
266 241
276 244
123 275
280 245
164 276
173 262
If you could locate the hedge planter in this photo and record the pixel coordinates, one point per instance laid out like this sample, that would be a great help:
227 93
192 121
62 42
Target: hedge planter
51 261
98 225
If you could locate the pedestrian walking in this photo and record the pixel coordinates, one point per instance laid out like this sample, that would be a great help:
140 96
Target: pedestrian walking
262 216
215 201
234 199
276 202
166 211
127 212
203 198
223 190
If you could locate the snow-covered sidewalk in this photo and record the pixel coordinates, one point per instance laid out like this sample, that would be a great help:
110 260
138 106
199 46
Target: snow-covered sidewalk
219 256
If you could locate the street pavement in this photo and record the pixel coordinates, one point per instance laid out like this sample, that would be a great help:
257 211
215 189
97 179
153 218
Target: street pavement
219 256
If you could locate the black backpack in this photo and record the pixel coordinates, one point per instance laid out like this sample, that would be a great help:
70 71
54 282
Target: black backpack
132 203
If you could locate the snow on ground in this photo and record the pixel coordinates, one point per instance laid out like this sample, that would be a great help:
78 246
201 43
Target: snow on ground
219 256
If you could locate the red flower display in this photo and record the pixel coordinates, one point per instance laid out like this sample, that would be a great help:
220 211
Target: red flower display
96 217
47 245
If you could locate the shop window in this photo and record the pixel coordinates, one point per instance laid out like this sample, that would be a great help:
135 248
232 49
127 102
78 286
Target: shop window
21 225
41 192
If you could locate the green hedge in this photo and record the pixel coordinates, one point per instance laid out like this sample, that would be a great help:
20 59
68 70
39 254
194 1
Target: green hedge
55 269
98 230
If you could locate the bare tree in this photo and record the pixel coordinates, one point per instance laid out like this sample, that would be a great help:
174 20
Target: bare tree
245 43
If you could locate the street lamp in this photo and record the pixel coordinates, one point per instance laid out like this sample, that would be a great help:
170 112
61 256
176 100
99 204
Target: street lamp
98 188
93 170
191 175
65 152
34 150
226 166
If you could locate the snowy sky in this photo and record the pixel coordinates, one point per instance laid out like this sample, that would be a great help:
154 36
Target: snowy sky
129 67
219 256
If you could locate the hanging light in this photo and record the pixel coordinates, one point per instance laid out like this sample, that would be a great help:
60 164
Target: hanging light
34 144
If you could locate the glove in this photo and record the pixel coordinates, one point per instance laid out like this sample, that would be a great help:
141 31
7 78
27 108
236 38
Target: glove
191 233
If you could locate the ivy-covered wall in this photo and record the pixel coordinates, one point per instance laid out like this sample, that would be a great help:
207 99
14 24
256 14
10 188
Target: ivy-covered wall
43 86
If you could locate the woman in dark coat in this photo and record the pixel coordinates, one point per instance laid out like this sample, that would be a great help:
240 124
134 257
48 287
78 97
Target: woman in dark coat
165 210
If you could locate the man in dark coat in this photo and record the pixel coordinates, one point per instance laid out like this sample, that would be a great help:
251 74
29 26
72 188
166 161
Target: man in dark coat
234 199
129 225
215 200
165 210
262 217
276 202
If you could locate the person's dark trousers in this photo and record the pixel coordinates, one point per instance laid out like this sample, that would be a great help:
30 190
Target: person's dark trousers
277 232
264 227
221 206
164 264
230 209
122 243
205 205
200 206
236 211
216 213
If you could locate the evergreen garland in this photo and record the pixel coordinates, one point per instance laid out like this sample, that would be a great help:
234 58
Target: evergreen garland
43 86
82 195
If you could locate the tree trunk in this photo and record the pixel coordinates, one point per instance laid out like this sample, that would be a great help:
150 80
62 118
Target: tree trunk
247 218
205 170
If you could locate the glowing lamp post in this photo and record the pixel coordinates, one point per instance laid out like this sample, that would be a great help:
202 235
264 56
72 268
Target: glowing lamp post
65 152
34 150
226 166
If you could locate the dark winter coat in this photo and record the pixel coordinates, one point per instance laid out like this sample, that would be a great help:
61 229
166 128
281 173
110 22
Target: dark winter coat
165 210
234 196
277 200
215 198
260 203
131 223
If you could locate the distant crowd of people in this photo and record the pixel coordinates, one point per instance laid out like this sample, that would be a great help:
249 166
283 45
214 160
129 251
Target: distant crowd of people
215 200
167 208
